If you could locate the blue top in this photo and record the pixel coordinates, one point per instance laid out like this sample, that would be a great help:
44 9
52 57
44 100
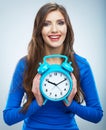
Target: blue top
53 115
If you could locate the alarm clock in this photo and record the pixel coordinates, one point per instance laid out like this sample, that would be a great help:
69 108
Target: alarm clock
55 82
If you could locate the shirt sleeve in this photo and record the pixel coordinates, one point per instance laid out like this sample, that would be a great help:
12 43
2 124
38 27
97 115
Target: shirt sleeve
11 113
92 110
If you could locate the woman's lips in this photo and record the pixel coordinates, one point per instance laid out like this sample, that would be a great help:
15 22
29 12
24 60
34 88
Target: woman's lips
54 37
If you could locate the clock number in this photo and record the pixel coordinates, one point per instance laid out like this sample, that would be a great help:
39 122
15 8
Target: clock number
46 90
55 95
66 84
61 93
50 75
60 74
50 93
47 80
55 73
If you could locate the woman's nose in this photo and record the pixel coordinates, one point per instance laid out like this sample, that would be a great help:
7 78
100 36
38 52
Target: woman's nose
54 28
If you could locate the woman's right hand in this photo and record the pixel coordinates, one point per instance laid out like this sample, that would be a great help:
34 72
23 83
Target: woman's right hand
36 90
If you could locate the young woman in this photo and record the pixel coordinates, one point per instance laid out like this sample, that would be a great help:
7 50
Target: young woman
52 34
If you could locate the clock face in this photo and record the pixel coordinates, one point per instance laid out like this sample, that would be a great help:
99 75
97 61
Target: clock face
55 85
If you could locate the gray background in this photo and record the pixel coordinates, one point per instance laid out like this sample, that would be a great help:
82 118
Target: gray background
89 23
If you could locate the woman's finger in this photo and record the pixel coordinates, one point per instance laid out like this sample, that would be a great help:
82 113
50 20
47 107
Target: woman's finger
36 90
74 90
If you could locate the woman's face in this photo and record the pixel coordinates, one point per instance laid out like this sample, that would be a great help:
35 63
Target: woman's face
54 30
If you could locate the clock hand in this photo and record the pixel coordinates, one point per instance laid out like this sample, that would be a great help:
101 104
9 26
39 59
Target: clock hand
51 82
61 81
56 87
56 84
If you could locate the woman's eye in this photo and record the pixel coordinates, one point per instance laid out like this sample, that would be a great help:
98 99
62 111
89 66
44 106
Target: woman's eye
46 24
61 22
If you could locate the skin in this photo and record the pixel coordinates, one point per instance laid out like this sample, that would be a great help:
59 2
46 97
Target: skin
53 32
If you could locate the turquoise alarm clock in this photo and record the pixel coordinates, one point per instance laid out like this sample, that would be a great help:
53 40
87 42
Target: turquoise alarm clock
55 82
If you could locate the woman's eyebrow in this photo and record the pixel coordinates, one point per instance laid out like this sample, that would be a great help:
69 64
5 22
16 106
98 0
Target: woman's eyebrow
56 20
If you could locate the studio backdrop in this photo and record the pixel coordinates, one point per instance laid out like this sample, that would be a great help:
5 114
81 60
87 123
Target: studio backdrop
88 19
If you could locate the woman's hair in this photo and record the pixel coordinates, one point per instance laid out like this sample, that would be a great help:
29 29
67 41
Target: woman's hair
36 51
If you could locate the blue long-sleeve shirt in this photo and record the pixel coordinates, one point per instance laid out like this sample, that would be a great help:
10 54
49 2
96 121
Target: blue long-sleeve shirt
53 115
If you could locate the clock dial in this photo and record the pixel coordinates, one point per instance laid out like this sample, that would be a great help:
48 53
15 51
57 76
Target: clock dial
55 85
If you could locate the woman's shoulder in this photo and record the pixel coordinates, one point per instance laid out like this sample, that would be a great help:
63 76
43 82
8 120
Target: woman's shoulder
22 60
83 65
81 61
21 64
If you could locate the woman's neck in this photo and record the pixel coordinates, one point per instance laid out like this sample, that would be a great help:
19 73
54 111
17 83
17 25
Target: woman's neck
51 51
54 61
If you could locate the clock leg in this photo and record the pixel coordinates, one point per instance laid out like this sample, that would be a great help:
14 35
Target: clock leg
45 100
66 101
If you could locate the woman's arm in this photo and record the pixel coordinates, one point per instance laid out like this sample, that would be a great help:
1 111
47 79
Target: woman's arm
92 110
12 113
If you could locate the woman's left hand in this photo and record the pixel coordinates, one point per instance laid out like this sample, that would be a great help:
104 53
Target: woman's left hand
74 90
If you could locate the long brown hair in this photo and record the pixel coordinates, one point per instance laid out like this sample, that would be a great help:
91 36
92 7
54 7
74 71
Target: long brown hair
36 51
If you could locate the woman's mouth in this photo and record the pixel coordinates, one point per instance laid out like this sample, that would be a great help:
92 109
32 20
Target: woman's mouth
54 37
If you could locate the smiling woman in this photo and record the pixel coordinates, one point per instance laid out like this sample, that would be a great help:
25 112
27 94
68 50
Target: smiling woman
52 34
